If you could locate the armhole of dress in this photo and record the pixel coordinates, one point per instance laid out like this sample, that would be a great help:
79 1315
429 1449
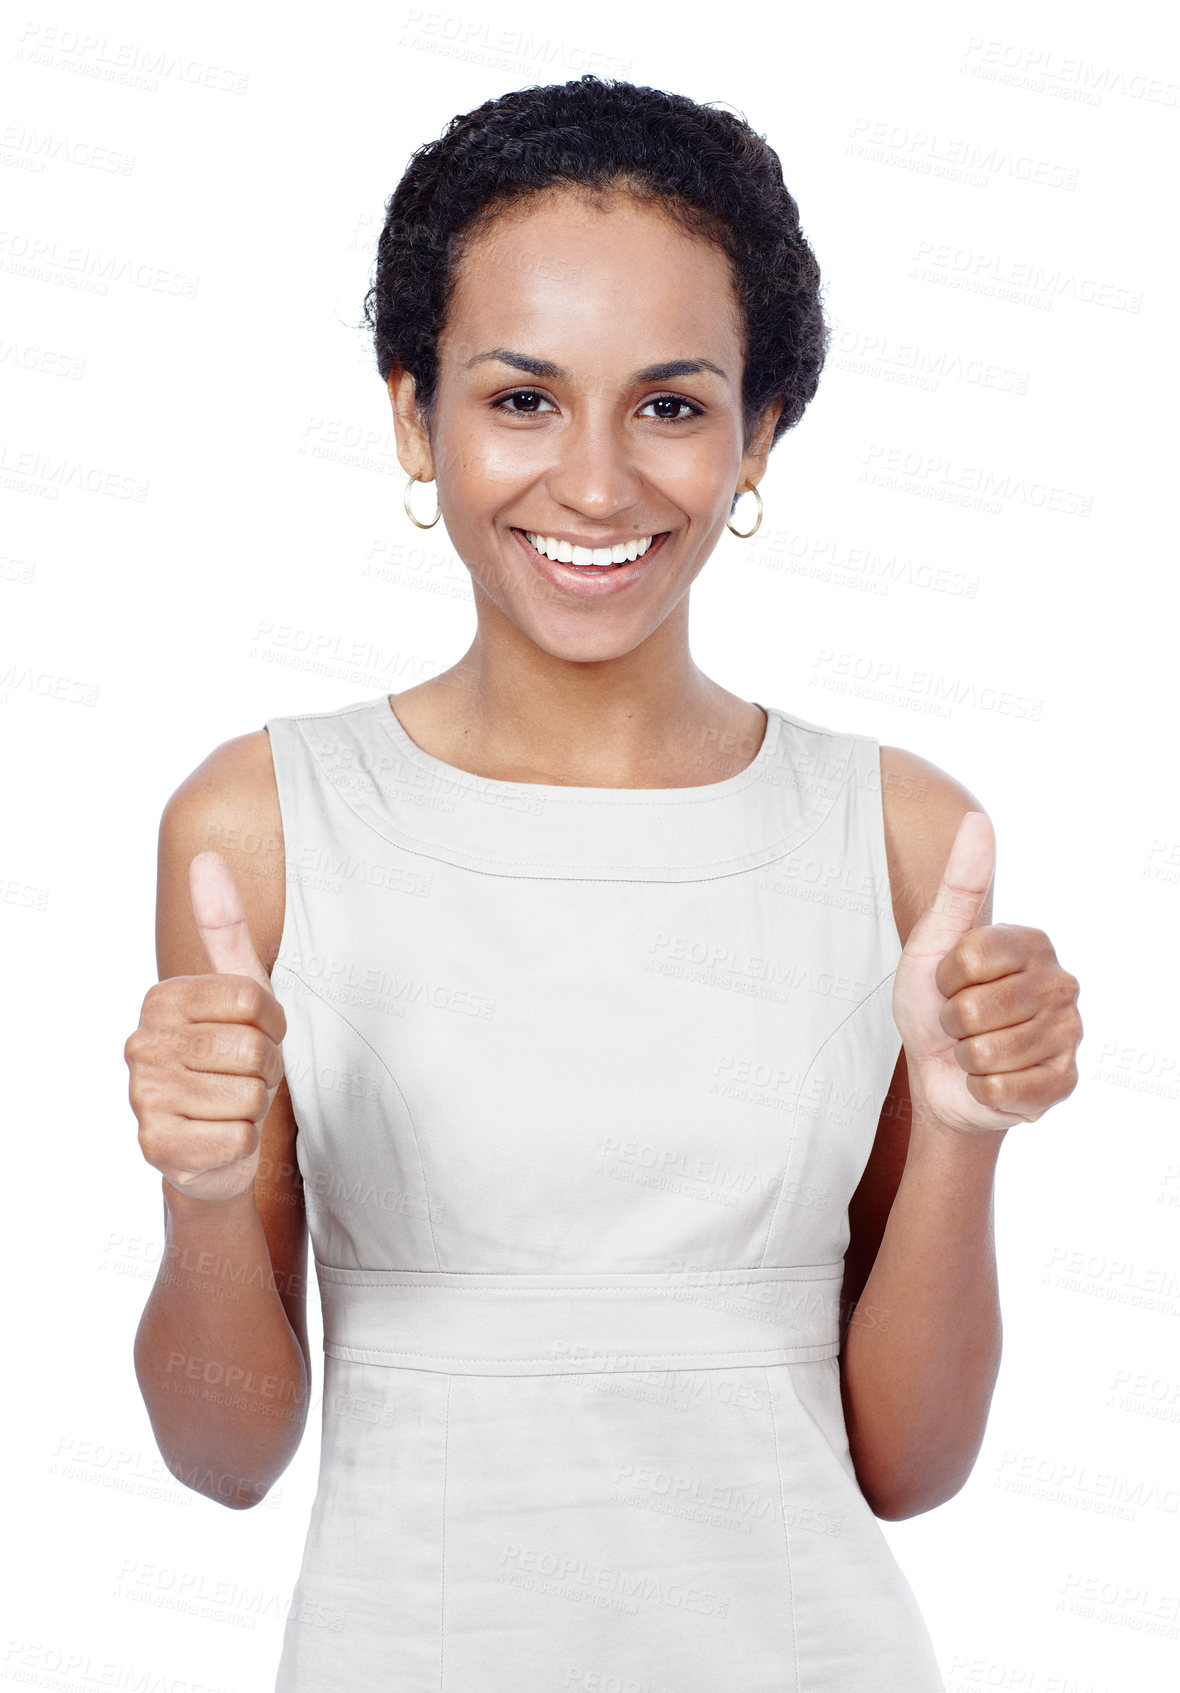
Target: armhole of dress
282 733
874 814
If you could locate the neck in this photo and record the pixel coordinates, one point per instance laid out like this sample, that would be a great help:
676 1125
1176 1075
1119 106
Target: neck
628 722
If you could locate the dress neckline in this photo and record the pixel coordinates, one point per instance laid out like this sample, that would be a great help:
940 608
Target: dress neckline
457 777
538 831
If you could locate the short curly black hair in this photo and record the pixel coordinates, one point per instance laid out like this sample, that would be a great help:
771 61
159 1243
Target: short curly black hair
703 165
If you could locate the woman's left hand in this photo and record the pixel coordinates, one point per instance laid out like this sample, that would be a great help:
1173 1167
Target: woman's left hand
987 1016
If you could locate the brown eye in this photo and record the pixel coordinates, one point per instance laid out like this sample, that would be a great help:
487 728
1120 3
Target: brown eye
532 400
676 404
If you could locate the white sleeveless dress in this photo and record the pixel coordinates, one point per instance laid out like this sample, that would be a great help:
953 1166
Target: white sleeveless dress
584 1079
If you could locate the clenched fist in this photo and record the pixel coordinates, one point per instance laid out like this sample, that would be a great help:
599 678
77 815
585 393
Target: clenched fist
206 1059
987 1016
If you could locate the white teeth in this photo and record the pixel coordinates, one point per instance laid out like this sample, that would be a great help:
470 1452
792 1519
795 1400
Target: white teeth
565 552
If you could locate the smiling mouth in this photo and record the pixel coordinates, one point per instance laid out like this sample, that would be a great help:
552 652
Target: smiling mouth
589 558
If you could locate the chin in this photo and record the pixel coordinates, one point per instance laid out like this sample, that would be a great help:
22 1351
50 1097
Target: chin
580 634
586 649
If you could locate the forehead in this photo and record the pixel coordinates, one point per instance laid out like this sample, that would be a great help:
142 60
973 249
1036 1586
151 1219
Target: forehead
580 275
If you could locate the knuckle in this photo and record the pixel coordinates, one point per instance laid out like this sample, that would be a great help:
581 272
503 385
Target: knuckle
253 1049
992 1088
977 1050
250 997
245 1142
970 1013
196 1045
144 1089
152 1138
164 1002
1069 1027
971 957
255 1095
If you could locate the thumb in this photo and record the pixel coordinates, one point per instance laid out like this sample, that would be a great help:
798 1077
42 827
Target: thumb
966 878
221 918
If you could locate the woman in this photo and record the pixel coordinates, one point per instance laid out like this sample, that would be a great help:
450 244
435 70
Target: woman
649 1184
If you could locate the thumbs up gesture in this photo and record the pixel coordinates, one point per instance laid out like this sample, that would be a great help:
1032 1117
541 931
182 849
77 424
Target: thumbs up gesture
987 1017
206 1059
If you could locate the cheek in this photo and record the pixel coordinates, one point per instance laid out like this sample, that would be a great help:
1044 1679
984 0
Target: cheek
697 478
480 466
702 466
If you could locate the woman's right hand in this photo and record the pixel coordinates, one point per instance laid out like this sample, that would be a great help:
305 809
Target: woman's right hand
206 1059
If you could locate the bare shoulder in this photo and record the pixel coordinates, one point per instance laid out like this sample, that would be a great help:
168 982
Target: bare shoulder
922 806
229 803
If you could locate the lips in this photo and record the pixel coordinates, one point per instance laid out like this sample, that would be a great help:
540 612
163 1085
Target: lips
587 555
589 581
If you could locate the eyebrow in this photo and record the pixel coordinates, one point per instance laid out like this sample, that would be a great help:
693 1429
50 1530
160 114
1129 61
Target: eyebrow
551 372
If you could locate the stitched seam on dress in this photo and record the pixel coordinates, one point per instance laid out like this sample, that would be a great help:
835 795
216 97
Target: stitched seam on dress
292 886
754 861
879 859
859 1006
358 1280
786 1534
294 911
409 1114
772 1354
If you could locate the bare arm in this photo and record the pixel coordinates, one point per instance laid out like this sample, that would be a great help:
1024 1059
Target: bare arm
921 1352
221 1353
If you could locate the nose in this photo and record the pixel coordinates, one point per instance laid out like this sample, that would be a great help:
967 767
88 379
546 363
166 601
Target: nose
594 474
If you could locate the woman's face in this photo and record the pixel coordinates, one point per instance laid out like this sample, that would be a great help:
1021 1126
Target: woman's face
553 420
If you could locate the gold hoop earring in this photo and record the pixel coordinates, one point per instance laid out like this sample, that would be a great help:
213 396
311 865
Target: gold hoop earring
406 502
745 534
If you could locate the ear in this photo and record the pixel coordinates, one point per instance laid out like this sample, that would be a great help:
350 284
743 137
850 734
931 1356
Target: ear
409 427
758 446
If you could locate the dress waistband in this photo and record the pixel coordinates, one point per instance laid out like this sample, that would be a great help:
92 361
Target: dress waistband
517 1323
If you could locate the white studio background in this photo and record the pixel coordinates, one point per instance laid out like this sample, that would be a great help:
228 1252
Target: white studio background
964 553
